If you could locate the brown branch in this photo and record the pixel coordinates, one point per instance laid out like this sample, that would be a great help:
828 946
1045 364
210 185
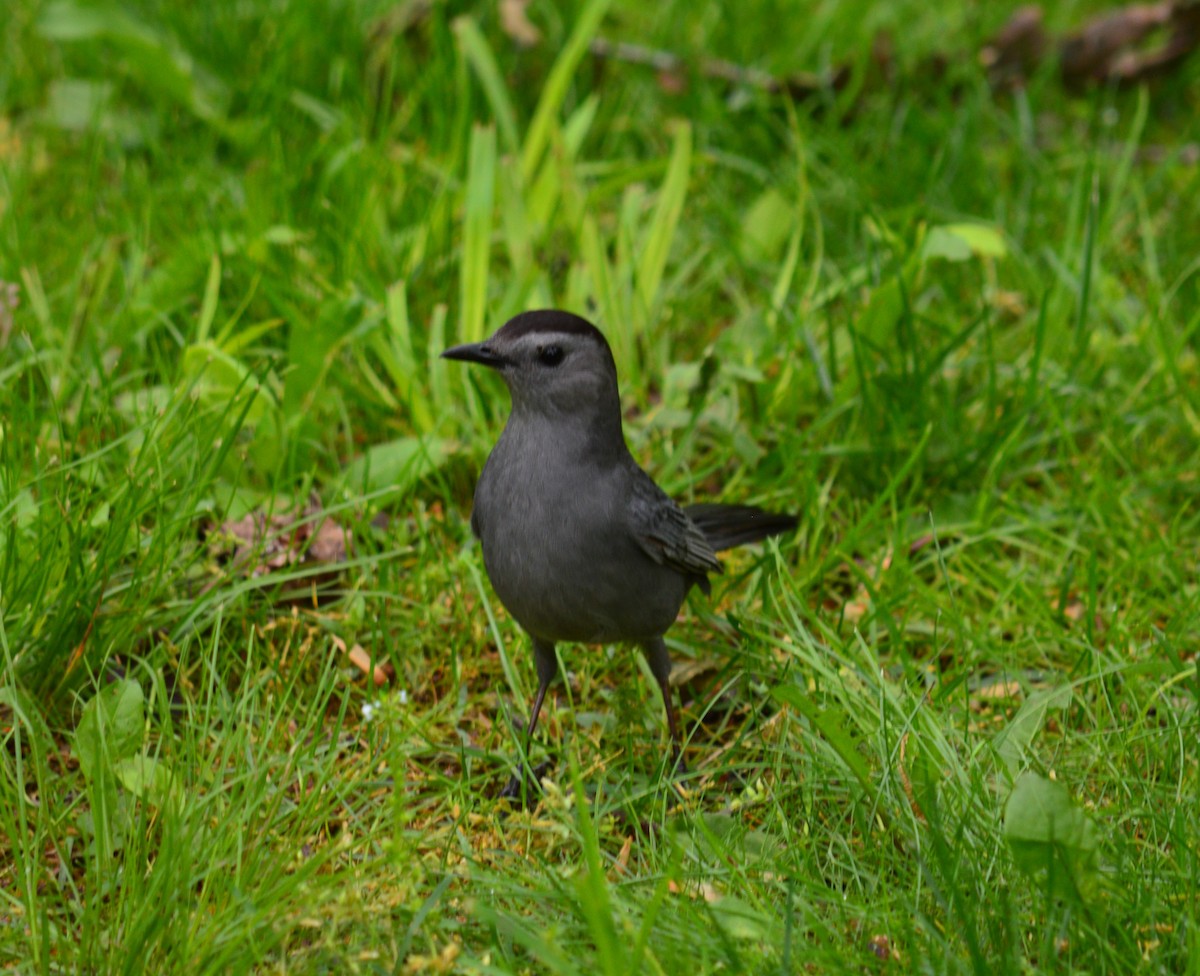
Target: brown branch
1105 50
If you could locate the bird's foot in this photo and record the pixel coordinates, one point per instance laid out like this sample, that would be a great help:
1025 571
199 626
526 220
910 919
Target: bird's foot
525 785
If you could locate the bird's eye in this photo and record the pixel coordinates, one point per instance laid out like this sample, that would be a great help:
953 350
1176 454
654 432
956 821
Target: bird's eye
550 355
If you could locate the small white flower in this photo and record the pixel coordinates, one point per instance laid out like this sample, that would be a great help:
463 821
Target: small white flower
368 710
403 696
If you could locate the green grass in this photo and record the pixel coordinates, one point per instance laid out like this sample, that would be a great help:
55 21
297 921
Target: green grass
951 723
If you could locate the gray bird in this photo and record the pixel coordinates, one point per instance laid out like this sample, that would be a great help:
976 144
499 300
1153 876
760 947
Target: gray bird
579 542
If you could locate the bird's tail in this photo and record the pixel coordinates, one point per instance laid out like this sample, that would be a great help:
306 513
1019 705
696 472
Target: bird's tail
728 526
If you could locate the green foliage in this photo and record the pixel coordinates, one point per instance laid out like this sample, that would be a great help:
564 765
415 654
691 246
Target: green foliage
950 723
1051 838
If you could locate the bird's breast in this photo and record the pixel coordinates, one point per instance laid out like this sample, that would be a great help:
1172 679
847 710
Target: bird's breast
559 552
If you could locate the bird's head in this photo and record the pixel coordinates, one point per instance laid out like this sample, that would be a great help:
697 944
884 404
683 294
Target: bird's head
556 365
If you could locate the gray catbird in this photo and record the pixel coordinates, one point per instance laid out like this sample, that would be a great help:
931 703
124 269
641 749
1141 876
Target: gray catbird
579 542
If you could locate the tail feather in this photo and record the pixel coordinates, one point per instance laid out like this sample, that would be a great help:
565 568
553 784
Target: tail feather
729 526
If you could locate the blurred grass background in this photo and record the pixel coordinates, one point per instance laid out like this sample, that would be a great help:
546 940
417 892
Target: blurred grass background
950 726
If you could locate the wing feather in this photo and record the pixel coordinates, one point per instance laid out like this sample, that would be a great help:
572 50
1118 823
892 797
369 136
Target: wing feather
667 535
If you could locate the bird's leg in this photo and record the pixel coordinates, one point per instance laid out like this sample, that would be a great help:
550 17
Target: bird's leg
547 667
660 666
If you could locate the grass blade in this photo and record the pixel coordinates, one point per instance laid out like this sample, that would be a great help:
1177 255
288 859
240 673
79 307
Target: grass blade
656 246
477 233
554 93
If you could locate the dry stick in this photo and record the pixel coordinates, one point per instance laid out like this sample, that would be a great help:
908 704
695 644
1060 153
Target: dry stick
1104 50
664 62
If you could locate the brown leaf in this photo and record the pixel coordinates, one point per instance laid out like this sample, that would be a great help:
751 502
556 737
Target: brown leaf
258 543
622 863
689 669
701 890
10 294
330 543
1106 48
1000 690
1074 610
381 673
854 610
1088 53
1102 50
881 947
515 22
400 19
919 544
1012 55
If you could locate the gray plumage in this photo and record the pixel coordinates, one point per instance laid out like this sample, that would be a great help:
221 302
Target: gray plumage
579 542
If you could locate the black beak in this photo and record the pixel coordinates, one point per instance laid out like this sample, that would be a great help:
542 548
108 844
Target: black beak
476 352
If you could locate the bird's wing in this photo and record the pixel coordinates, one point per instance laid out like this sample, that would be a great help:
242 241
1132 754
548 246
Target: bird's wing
728 526
666 534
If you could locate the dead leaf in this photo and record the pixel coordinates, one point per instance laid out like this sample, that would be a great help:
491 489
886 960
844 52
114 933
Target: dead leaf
1088 55
881 947
621 867
381 673
701 890
258 544
854 610
515 22
1074 610
400 19
1000 690
1105 49
329 544
688 670
10 294
1014 53
443 962
919 544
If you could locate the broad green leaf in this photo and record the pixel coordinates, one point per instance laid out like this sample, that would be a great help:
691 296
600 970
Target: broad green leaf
884 308
984 240
220 377
724 838
77 105
961 242
940 243
111 727
1012 742
149 779
311 351
829 722
398 464
678 383
767 223
740 920
1051 839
